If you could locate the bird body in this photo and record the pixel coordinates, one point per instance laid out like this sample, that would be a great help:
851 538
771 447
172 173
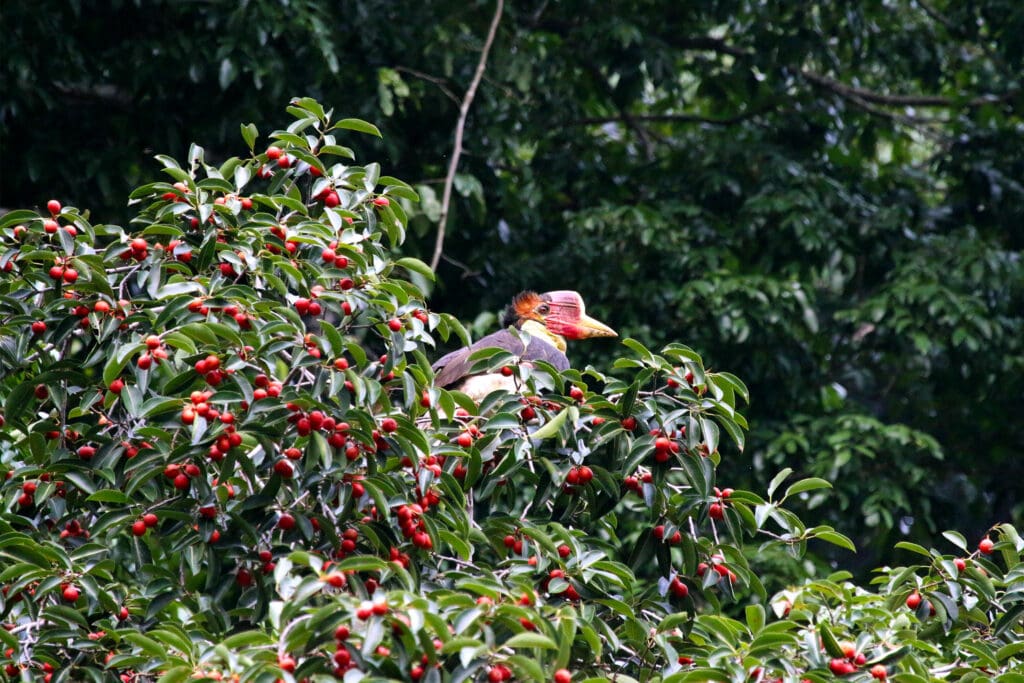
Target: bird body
544 321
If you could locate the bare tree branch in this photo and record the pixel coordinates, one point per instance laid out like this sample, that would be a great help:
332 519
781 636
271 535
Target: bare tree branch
441 83
671 118
872 97
460 127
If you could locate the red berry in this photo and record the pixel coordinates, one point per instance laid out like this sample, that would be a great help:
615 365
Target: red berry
913 600
960 564
336 579
139 527
284 469
985 546
150 519
562 676
285 521
273 152
716 511
564 551
332 199
286 662
841 667
70 593
388 424
70 275
38 327
53 206
465 439
395 325
879 672
381 201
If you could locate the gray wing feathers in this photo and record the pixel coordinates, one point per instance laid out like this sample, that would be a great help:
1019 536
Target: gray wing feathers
454 366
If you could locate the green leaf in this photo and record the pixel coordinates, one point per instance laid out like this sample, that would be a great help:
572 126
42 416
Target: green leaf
836 538
830 642
109 496
778 479
531 639
809 484
358 125
249 134
914 548
956 539
551 427
416 266
755 618
1011 650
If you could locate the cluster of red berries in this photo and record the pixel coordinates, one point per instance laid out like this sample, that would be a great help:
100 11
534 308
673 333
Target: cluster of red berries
199 406
100 307
265 387
675 538
147 521
50 227
665 446
179 250
73 529
716 510
181 477
851 661
179 196
576 478
414 528
342 658
138 249
718 566
499 673
673 383
369 609
570 592
635 483
28 494
209 368
514 543
155 352
60 270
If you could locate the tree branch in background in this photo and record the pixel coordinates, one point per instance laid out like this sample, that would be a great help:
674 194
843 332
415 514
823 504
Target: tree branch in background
441 83
872 97
672 118
460 127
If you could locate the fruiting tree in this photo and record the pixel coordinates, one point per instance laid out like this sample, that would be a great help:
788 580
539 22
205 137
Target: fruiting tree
224 456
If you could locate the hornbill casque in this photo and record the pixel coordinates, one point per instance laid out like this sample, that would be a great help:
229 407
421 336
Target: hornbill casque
549 319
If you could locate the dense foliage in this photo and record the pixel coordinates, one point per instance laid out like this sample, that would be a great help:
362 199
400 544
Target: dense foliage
225 456
824 198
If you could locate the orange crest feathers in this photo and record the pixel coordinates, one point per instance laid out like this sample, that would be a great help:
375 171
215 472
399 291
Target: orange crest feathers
521 308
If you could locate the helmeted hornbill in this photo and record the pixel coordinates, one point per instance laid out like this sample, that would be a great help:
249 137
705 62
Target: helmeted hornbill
549 320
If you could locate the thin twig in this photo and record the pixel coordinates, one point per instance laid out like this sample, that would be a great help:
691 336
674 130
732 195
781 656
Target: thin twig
441 83
460 128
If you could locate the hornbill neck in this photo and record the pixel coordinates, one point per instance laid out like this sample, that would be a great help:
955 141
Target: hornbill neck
537 329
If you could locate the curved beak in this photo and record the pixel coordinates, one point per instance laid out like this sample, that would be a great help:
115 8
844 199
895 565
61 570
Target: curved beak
587 327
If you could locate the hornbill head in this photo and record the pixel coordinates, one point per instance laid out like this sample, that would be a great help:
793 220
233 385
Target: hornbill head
558 316
549 319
